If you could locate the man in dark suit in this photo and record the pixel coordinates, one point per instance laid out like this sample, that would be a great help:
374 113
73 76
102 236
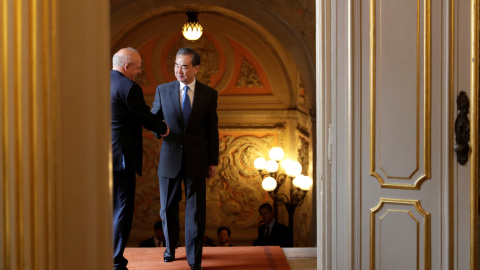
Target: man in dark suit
272 233
129 113
189 154
158 239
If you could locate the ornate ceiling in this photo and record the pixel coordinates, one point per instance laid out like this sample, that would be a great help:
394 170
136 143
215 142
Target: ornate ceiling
257 54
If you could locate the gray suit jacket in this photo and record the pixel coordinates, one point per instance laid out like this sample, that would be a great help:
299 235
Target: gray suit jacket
197 139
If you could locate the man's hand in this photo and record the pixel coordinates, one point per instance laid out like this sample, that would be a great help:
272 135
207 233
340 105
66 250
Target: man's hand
168 130
211 171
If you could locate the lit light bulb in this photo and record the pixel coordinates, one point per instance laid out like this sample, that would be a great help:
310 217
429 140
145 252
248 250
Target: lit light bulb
192 31
260 163
269 183
306 183
276 153
293 169
297 181
286 163
272 166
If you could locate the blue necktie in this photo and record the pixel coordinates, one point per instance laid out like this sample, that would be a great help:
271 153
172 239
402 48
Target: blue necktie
186 107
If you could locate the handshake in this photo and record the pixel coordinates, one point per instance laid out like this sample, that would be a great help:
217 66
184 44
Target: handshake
167 132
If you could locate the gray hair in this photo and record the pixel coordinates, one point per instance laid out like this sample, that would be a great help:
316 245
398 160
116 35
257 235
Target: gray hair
192 52
121 59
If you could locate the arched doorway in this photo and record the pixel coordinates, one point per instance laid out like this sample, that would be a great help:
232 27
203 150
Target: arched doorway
263 71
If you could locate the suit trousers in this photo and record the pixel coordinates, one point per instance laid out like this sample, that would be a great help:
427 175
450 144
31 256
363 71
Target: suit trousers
195 214
123 206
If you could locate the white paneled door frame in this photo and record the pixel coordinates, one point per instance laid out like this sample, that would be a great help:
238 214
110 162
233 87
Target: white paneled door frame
374 58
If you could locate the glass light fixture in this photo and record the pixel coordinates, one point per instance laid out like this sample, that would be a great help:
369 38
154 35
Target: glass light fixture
293 169
276 153
306 183
272 166
286 162
297 181
192 30
260 163
269 184
300 183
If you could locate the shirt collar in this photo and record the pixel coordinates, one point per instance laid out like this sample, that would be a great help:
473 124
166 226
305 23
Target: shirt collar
191 85
270 225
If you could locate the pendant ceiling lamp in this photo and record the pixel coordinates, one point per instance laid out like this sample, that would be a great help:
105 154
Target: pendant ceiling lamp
192 30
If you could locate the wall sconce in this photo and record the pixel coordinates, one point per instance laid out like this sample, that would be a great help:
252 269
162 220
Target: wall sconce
300 184
192 30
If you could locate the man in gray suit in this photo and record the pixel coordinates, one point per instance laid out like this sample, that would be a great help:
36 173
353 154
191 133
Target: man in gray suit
189 154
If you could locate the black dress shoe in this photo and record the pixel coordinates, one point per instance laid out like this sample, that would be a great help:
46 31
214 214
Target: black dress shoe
167 257
196 266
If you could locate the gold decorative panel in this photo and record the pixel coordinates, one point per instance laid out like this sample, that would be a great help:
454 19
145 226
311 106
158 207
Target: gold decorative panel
400 92
147 199
235 192
303 154
399 235
248 75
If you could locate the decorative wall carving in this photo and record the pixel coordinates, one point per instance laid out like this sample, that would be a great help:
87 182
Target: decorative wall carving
248 75
234 194
303 154
303 97
147 199
303 223
278 129
303 215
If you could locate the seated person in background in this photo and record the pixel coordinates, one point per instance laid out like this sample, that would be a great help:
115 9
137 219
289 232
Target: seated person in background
207 241
260 223
272 233
223 234
158 240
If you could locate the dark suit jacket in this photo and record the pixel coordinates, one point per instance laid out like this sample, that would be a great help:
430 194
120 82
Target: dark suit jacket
198 138
129 113
279 236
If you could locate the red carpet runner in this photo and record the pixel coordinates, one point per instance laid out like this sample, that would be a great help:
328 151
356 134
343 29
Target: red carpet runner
214 258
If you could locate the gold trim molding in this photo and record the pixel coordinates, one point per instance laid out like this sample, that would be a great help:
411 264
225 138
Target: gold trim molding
6 264
426 228
427 96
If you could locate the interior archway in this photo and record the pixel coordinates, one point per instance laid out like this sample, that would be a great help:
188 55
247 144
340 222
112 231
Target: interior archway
264 74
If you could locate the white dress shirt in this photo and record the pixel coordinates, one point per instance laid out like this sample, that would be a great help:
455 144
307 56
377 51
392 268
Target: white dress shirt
269 227
191 92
